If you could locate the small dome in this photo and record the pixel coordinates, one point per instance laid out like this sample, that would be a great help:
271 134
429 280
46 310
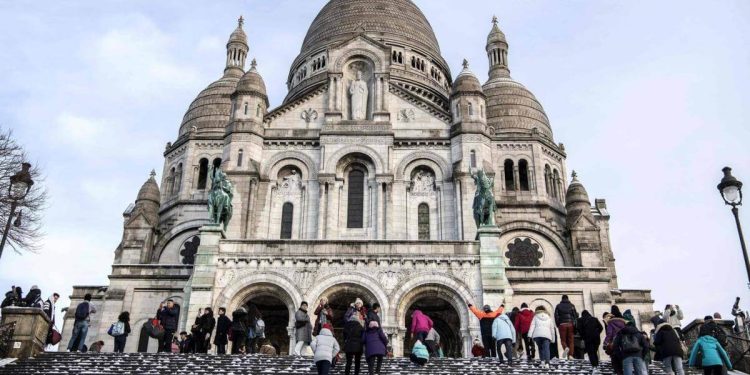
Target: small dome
511 107
238 35
251 82
496 35
149 191
577 194
212 108
466 82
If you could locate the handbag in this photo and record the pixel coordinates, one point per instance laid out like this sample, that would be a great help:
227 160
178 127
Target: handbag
54 336
155 329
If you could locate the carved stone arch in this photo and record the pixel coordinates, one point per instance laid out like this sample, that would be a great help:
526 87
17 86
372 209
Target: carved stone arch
376 60
543 231
408 292
359 279
274 164
174 232
242 288
333 160
441 167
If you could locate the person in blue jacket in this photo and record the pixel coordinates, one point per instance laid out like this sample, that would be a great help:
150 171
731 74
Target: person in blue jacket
504 334
714 357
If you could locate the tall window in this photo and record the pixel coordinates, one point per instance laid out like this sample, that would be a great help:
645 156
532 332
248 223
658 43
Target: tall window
548 179
471 109
473 159
202 174
523 174
217 164
556 184
177 180
239 158
510 184
170 182
287 216
355 212
423 218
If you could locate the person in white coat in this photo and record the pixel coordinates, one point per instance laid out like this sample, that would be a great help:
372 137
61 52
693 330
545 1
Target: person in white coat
542 330
504 334
325 348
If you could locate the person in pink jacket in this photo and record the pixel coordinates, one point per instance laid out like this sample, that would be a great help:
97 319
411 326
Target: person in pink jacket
421 324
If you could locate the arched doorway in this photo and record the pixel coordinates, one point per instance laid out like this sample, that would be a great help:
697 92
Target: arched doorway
340 297
275 315
446 322
275 306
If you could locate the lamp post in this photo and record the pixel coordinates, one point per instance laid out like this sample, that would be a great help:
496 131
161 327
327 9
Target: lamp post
20 184
731 191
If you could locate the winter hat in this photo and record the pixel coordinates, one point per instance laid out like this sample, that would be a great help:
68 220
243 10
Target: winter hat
524 306
328 326
708 317
487 308
34 287
374 324
358 301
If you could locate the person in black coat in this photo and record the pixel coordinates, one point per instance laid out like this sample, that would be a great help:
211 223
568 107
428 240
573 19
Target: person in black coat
223 325
239 330
353 343
169 316
591 330
668 348
206 328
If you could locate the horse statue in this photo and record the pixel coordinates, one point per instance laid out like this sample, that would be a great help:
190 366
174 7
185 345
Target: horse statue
484 199
220 198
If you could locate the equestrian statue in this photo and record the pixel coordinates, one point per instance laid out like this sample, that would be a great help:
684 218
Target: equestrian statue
484 199
220 198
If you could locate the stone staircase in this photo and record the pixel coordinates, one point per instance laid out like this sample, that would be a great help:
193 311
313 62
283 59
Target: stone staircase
178 364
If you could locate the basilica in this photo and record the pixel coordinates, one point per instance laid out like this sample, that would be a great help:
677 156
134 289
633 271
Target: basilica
361 184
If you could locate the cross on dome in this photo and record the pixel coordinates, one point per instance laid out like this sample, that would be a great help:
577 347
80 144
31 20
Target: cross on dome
241 21
253 64
466 64
153 173
494 20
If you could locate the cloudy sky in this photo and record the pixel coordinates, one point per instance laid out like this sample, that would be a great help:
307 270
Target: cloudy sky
650 99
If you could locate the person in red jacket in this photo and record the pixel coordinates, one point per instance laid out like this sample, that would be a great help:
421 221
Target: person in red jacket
486 317
477 350
522 324
421 324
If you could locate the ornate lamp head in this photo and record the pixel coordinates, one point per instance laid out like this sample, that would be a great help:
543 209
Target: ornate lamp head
730 188
20 183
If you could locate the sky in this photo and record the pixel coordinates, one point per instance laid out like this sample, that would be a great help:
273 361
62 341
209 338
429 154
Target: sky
649 98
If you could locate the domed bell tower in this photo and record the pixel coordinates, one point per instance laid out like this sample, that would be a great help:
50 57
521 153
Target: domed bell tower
497 52
237 49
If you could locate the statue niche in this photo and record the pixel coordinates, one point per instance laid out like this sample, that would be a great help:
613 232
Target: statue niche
358 91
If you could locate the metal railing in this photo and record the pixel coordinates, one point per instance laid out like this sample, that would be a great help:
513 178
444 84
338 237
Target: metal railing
6 338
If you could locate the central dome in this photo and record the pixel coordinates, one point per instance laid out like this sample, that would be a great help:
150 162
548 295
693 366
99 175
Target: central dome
395 21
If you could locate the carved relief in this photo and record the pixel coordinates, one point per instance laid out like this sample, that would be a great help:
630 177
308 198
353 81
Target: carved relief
524 253
309 115
423 183
304 279
358 92
406 115
290 184
226 278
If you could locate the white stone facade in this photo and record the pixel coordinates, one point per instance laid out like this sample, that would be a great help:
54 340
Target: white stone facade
406 170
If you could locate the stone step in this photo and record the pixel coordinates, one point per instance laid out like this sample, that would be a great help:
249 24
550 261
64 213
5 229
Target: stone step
149 363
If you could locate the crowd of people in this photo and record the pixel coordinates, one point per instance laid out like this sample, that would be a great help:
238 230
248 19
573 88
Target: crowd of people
630 349
506 336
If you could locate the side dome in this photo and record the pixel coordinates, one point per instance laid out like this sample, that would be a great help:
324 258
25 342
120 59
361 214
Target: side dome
149 191
466 81
252 82
211 110
576 194
512 108
399 21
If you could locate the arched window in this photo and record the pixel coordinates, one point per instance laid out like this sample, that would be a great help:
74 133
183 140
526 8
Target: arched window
355 211
202 174
177 180
548 179
423 218
258 110
324 61
413 62
510 184
556 184
458 109
400 58
239 157
245 109
523 174
287 216
471 109
473 159
395 56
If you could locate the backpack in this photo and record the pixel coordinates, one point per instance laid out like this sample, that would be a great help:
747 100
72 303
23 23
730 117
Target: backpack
260 328
82 311
116 329
630 344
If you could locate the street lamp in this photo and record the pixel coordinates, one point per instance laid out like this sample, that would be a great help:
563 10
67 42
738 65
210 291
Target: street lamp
731 191
20 184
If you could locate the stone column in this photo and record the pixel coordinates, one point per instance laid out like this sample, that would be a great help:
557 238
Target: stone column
199 289
30 331
496 289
